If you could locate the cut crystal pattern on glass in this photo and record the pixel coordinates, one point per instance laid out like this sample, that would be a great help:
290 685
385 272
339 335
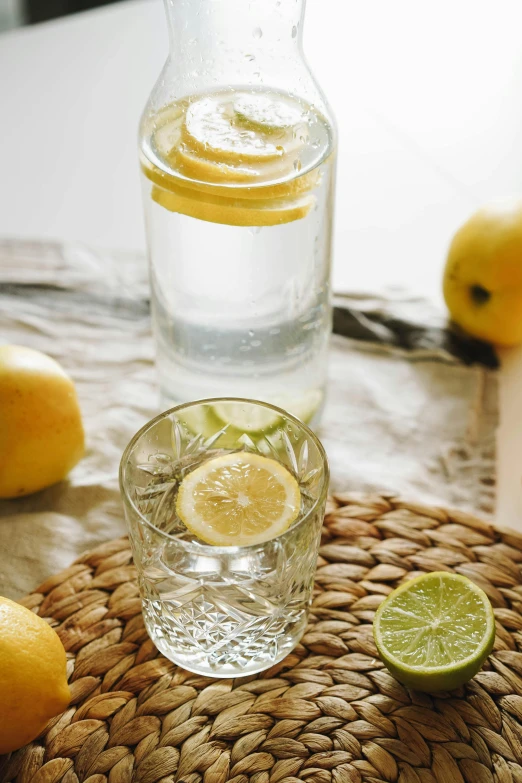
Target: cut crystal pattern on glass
222 611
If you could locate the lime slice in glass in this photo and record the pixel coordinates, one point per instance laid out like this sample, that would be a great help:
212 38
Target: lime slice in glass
303 407
263 421
434 632
247 418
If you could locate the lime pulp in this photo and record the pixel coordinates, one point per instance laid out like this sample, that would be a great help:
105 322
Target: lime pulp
434 632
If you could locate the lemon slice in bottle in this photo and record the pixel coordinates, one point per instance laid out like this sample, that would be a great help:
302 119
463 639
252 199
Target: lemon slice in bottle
208 130
238 499
230 212
266 115
434 632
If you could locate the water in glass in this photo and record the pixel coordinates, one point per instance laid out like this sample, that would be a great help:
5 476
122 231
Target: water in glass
221 611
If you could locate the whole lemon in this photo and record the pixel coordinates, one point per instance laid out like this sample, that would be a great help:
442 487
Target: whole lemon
41 432
33 681
483 276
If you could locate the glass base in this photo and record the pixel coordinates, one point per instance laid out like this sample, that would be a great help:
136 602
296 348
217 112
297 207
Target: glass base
231 659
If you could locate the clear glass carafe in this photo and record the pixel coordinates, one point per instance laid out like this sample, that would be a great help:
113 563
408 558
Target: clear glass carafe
237 151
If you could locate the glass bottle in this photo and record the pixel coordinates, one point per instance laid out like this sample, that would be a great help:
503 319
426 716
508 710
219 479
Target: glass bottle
237 151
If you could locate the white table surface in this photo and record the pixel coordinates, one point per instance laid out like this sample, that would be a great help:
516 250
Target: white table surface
428 99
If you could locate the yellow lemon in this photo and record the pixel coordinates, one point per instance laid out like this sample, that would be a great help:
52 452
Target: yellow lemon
483 276
41 432
33 681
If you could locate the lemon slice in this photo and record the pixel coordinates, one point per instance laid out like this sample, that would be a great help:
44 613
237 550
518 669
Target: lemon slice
196 167
232 212
238 499
434 632
216 178
209 131
265 114
167 136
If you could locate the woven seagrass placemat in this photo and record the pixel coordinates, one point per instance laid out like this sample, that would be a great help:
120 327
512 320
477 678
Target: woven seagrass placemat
328 713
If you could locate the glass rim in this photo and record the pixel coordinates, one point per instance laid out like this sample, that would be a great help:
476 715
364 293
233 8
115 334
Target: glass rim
210 548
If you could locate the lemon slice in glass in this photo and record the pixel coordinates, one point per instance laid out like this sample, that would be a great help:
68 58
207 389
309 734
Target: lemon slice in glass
238 499
435 632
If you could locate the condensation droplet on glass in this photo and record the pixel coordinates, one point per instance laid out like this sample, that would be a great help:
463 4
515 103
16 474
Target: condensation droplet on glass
294 31
251 333
297 164
255 343
250 57
257 32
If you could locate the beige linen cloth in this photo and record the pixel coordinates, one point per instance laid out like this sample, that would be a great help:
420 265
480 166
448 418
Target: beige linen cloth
417 423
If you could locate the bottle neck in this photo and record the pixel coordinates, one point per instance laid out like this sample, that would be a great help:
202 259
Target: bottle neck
218 38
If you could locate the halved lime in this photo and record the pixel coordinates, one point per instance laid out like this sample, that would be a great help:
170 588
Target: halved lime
434 632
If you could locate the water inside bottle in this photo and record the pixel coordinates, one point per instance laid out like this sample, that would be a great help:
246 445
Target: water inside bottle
238 188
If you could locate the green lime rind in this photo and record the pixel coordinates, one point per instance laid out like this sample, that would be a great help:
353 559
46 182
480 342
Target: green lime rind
437 603
247 418
237 420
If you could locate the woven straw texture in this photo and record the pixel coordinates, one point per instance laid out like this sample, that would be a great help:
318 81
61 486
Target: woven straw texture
329 713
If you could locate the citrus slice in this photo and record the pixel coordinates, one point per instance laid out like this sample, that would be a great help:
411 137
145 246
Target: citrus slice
259 420
303 407
265 114
434 632
209 131
167 135
248 184
232 212
247 418
194 166
238 499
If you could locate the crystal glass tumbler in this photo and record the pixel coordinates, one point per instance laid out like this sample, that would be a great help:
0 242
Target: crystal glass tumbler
222 611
